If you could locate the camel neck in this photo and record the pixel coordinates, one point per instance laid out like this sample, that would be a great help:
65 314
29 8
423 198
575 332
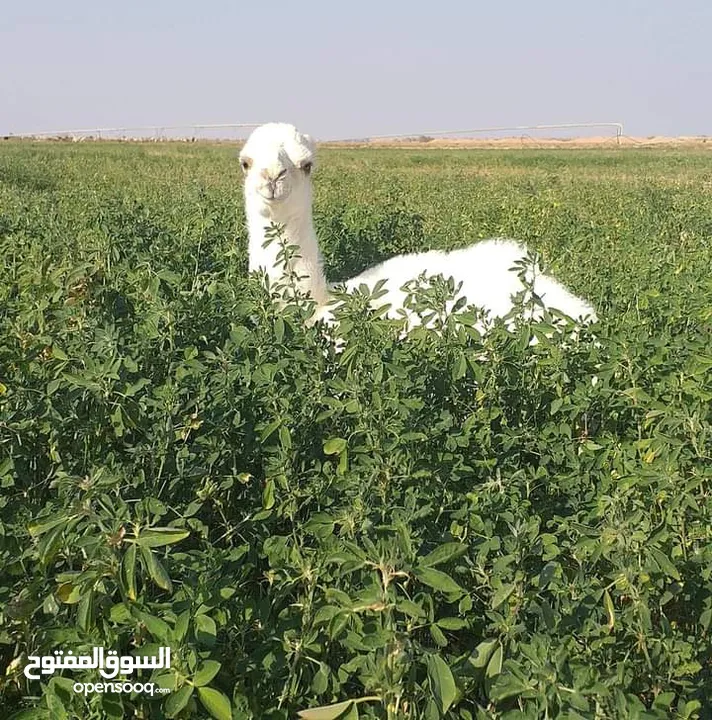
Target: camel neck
298 231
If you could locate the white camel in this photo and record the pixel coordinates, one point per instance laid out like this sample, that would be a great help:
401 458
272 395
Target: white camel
278 160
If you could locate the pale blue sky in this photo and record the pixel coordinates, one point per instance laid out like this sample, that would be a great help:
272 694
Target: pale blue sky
357 69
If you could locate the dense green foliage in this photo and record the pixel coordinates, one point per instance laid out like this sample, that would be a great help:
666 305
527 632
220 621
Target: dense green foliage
448 526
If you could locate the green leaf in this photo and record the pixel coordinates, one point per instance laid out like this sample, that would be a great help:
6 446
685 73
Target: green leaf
438 636
494 666
548 573
165 680
64 686
410 608
501 594
128 567
181 626
270 429
320 683
205 630
460 367
334 446
215 703
268 495
40 528
664 700
285 437
327 712
157 627
452 623
438 580
168 276
687 709
279 329
85 611
610 609
664 562
442 682
351 713
112 707
120 614
57 697
157 537
579 701
508 686
482 653
442 554
208 670
177 700
69 593
338 624
49 544
155 569
79 381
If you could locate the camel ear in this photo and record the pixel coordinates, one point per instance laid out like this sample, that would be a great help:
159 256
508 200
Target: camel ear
301 149
308 140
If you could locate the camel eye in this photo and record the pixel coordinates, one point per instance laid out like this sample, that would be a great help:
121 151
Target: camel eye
307 167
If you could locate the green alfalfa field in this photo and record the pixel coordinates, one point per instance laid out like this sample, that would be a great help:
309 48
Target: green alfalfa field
446 526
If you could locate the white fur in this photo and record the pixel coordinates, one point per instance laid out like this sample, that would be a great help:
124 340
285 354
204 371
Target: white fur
277 160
